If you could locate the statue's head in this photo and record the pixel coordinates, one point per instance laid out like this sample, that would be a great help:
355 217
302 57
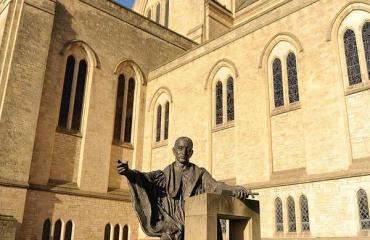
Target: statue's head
183 149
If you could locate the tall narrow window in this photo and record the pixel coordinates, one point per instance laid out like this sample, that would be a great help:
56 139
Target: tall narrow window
68 231
219 105
79 96
291 215
149 14
279 215
305 217
119 108
107 232
57 230
129 110
230 99
292 78
363 208
66 95
158 13
125 233
166 120
278 83
167 13
159 123
116 232
46 229
366 40
353 64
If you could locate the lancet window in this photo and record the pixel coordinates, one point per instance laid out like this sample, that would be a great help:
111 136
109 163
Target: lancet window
278 83
366 42
305 218
167 13
363 209
107 230
219 104
230 99
292 78
68 231
159 123
46 230
162 120
158 13
57 230
116 232
125 232
352 59
279 222
292 227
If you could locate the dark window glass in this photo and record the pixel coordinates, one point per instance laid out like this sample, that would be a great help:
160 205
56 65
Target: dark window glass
278 83
230 99
279 215
149 14
46 230
291 215
166 19
166 120
219 105
305 217
353 64
129 110
68 231
79 96
292 78
366 40
363 208
107 232
159 119
119 108
158 13
125 233
57 230
116 232
66 95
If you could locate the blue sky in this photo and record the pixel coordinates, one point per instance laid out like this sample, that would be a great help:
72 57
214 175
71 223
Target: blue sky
126 3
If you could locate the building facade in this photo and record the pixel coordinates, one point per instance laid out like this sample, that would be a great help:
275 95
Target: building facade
274 93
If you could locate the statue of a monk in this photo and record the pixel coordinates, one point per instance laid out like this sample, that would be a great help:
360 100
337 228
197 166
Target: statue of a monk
159 197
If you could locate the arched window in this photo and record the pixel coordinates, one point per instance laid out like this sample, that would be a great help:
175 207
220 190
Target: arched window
68 231
352 60
46 229
292 78
119 108
159 123
366 41
149 14
363 208
129 110
279 215
79 96
291 215
158 13
219 105
230 99
278 83
125 233
66 95
116 232
305 217
167 13
57 230
166 120
107 231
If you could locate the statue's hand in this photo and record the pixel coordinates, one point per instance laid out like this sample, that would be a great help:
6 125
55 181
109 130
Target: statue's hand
242 193
122 167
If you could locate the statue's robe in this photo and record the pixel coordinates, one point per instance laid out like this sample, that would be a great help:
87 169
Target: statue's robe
158 197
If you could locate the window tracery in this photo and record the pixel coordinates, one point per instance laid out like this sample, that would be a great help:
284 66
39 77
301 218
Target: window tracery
219 105
292 78
292 227
279 215
366 42
278 83
230 99
363 208
352 59
305 218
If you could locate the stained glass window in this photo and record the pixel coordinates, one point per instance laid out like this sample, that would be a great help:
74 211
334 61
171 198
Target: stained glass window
107 232
366 40
166 120
125 233
305 218
353 64
278 83
363 208
291 215
116 232
57 230
292 78
46 230
279 215
129 110
158 13
66 95
79 96
230 99
167 13
68 231
219 105
159 119
119 108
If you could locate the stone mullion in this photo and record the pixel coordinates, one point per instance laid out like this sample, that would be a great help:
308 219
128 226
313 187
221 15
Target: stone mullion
73 94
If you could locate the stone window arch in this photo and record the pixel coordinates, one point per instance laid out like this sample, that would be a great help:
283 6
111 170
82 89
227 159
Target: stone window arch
158 13
363 209
279 220
107 231
58 230
68 233
46 230
305 217
292 225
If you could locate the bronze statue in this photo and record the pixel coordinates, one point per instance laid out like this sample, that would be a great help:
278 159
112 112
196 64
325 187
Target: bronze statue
159 196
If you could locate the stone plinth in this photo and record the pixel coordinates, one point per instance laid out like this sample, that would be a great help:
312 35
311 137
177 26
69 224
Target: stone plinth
203 211
7 227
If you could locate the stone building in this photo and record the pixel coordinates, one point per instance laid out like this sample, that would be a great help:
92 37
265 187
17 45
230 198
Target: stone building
274 93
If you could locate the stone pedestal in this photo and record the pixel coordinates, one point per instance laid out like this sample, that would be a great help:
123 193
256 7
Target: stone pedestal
8 226
203 211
